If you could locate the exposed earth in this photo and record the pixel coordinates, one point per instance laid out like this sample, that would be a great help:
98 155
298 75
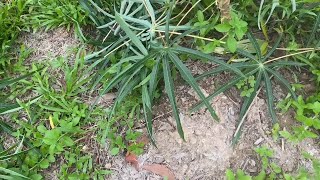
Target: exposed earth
207 151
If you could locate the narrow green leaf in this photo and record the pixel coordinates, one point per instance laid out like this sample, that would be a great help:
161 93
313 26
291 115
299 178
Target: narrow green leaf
275 3
147 112
259 13
245 107
314 30
135 40
255 44
125 73
273 48
246 54
187 76
171 95
207 57
283 81
6 157
12 173
8 81
224 69
150 11
285 63
154 77
270 97
125 90
168 23
222 89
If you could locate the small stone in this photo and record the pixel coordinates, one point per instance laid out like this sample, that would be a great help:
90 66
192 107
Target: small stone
258 141
107 166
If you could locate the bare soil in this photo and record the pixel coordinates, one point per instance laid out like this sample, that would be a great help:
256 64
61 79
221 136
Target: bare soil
207 151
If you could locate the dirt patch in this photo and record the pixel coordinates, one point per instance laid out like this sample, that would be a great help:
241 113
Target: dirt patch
207 151
50 44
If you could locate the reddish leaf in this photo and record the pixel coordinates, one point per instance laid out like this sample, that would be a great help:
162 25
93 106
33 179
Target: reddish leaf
159 169
132 159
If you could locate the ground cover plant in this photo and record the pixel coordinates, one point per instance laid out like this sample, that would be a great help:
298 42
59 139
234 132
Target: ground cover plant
136 51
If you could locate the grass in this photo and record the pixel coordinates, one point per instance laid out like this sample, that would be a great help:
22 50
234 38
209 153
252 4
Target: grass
138 51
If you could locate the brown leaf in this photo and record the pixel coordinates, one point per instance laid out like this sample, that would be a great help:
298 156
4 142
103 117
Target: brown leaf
159 169
143 139
224 7
132 159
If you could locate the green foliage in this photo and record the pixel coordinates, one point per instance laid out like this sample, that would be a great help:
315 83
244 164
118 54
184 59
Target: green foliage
12 22
307 113
234 28
262 68
246 86
51 14
271 170
56 122
147 59
119 130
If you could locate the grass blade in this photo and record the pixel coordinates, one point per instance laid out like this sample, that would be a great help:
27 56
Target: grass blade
259 13
187 76
135 40
270 98
314 30
8 81
12 173
171 95
275 3
6 157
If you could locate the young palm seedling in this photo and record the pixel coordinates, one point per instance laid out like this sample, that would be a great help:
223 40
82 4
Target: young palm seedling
263 69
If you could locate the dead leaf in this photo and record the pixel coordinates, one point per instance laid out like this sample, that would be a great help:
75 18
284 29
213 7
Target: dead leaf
224 7
159 169
133 160
143 139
